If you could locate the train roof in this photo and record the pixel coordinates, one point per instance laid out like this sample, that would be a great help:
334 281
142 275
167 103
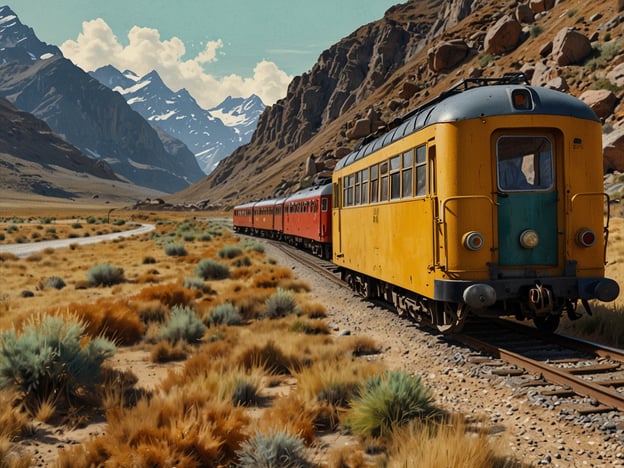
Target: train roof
269 202
310 193
474 98
245 205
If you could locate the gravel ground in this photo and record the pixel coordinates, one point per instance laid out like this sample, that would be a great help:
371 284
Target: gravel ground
533 429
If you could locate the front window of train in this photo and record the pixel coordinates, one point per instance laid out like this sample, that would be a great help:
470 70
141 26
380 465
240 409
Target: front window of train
524 163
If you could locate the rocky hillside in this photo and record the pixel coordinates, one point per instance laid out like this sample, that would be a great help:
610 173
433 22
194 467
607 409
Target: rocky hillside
417 50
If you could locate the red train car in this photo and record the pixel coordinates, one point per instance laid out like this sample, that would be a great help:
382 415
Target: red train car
307 220
242 219
268 219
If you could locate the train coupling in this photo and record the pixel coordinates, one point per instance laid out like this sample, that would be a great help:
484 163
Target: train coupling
540 300
479 296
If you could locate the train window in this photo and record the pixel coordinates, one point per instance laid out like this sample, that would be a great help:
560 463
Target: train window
406 174
323 204
524 163
348 200
364 177
336 195
421 171
374 186
358 184
395 177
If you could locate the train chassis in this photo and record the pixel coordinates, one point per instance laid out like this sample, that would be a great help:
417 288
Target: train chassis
537 303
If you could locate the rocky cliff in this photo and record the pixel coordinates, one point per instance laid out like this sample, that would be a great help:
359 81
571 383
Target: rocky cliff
415 52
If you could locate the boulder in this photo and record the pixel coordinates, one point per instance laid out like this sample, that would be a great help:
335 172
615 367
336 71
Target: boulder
503 36
360 129
601 101
613 150
539 6
542 74
409 88
559 84
524 14
616 76
446 55
570 47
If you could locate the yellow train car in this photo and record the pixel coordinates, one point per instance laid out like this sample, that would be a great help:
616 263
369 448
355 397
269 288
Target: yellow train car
487 200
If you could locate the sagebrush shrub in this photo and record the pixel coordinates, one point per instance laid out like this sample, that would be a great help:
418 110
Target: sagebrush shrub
276 449
183 324
389 401
55 282
175 250
249 244
105 274
51 356
194 283
280 304
230 251
209 269
225 314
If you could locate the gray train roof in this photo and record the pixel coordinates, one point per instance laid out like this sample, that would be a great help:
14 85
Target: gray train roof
471 103
309 193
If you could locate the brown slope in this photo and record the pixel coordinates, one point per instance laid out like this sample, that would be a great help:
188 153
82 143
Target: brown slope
369 68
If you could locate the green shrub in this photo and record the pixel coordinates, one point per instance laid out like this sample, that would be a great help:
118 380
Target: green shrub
51 358
230 251
149 260
280 304
91 220
484 60
225 314
51 230
76 225
12 228
209 269
55 282
389 401
242 262
2 237
194 283
277 449
249 244
105 274
183 324
175 250
205 237
536 30
119 222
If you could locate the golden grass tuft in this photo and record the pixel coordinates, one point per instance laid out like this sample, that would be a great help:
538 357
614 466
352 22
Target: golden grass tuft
270 357
168 294
270 276
115 320
152 311
313 310
8 257
294 285
451 443
249 301
164 351
360 345
292 415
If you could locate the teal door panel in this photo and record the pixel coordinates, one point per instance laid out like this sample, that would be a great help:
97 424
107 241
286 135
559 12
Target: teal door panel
527 210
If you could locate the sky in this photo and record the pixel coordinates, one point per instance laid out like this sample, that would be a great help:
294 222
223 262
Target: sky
213 48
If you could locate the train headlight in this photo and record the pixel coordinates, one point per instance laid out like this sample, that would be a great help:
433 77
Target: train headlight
529 239
586 237
473 240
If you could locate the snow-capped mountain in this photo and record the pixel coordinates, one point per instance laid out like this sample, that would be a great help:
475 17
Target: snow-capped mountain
36 78
210 134
19 42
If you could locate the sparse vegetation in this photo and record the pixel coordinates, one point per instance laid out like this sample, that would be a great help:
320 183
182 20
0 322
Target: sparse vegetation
230 251
212 270
55 282
183 324
280 304
175 250
273 450
225 314
105 274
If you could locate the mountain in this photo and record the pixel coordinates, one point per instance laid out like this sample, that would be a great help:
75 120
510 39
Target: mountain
85 113
36 163
415 52
210 134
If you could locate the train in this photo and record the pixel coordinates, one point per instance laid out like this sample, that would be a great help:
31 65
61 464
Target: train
486 201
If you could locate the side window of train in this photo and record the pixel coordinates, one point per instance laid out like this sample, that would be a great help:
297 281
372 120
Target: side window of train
406 173
364 192
395 177
383 193
374 184
323 204
336 194
421 171
358 187
524 163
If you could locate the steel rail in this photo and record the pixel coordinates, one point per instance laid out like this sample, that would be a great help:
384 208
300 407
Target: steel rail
600 393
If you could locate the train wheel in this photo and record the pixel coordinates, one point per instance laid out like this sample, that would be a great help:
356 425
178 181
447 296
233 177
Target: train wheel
547 323
453 317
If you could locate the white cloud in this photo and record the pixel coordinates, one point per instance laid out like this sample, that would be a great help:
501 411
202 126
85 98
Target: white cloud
97 46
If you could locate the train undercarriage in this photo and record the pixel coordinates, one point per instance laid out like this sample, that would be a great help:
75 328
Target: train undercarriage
537 304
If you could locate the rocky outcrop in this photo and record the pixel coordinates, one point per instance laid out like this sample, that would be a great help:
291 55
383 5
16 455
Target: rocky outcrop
503 36
601 101
570 47
447 54
539 6
613 150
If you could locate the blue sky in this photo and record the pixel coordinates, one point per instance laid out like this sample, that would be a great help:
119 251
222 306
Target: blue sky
214 48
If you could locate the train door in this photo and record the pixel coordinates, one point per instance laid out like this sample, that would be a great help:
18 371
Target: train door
336 226
527 199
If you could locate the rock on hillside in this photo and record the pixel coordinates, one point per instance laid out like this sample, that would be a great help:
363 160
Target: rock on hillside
392 65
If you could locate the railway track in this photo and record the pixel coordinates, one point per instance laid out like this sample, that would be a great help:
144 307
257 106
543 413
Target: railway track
587 377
